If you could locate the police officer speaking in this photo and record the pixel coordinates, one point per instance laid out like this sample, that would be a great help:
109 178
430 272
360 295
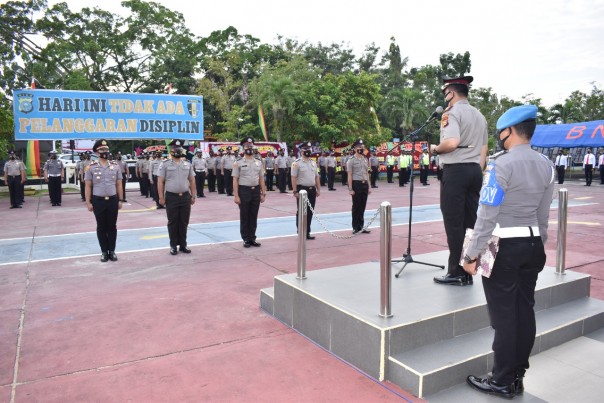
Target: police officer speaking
514 204
306 177
176 187
249 191
104 198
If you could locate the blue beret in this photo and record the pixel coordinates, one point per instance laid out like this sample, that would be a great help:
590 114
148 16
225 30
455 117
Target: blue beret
515 115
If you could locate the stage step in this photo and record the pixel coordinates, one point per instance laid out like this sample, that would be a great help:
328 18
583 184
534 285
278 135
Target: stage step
438 366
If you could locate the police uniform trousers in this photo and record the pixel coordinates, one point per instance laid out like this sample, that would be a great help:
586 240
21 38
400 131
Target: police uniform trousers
312 198
344 177
282 180
228 181
560 170
105 211
144 184
269 178
14 190
331 176
402 176
220 182
154 192
322 175
375 173
389 170
510 295
200 181
423 173
359 202
249 204
601 174
588 174
124 181
211 181
83 189
408 175
178 210
459 195
54 189
289 178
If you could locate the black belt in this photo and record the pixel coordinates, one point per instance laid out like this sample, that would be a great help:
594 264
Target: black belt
177 194
249 187
226 169
307 187
358 181
459 163
104 197
14 176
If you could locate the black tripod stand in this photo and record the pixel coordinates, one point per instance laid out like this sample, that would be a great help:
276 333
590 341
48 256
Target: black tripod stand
407 258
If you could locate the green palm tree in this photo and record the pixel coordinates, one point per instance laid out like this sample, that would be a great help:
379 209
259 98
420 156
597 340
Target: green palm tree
403 108
278 94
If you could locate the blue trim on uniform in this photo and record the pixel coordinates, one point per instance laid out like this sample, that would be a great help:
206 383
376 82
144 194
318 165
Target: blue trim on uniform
491 193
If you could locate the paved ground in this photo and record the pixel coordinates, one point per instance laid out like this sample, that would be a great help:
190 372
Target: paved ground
155 327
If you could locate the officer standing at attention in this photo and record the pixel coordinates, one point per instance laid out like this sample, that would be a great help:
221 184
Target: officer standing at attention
589 161
281 163
424 168
84 163
124 168
140 163
375 168
146 170
343 159
53 175
514 204
403 166
227 170
200 166
104 198
358 186
331 170
219 176
601 165
269 167
306 177
463 151
249 190
154 171
78 174
176 185
389 167
561 166
323 167
14 177
288 163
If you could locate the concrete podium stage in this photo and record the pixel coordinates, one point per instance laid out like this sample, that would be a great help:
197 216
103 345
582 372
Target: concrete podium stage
437 335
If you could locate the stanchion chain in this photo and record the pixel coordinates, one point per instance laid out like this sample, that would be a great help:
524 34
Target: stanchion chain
316 216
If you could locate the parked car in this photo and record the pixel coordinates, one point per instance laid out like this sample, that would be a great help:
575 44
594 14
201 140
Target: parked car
66 159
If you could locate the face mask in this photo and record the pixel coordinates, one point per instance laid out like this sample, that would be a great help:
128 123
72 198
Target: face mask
104 155
501 142
249 151
119 158
446 95
12 157
54 157
177 153
306 153
360 150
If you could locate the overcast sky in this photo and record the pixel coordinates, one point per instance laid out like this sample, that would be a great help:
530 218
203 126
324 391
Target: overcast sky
548 48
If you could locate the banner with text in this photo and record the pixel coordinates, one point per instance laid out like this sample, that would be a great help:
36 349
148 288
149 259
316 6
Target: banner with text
58 115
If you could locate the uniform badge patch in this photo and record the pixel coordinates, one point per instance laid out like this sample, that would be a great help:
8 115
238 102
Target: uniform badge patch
491 193
444 121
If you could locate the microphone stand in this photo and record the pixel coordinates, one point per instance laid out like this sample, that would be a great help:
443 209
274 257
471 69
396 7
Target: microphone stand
407 257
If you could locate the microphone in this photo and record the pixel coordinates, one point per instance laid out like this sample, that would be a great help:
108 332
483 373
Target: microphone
436 113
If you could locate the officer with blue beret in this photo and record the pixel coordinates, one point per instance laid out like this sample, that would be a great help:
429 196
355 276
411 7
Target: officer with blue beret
514 205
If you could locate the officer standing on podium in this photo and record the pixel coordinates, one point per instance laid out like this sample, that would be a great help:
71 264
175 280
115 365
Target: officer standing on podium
463 151
104 198
306 177
514 204
249 191
176 187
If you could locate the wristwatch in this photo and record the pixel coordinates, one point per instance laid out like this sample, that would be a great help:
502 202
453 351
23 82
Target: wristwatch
467 259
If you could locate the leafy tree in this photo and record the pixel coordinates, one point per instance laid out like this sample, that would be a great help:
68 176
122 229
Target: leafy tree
404 109
455 65
393 74
332 59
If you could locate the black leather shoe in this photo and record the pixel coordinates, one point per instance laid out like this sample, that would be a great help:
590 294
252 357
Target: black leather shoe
125 201
184 249
173 251
366 231
519 384
310 237
104 257
112 256
489 386
254 243
453 280
246 244
355 231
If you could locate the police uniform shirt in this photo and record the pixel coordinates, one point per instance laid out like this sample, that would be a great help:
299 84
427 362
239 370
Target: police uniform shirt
104 178
78 166
374 161
305 172
357 167
331 161
227 161
289 161
281 162
517 191
249 171
154 166
84 164
145 167
12 168
199 163
464 122
219 163
176 175
123 167
343 160
269 162
140 163
53 167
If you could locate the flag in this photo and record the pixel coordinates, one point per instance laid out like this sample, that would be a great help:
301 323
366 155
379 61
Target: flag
376 121
262 122
33 83
32 160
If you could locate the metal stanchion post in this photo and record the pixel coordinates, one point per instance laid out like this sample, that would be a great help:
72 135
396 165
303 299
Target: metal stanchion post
385 260
562 220
302 200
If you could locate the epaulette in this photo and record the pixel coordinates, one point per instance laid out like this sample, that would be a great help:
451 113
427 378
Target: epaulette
94 163
499 154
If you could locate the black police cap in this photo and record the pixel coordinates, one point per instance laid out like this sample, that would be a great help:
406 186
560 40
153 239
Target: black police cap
100 143
247 140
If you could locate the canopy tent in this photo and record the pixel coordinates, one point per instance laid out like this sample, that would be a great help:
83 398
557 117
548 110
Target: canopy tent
583 134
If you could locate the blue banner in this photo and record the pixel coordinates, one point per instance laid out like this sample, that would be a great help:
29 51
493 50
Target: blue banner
66 115
584 134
